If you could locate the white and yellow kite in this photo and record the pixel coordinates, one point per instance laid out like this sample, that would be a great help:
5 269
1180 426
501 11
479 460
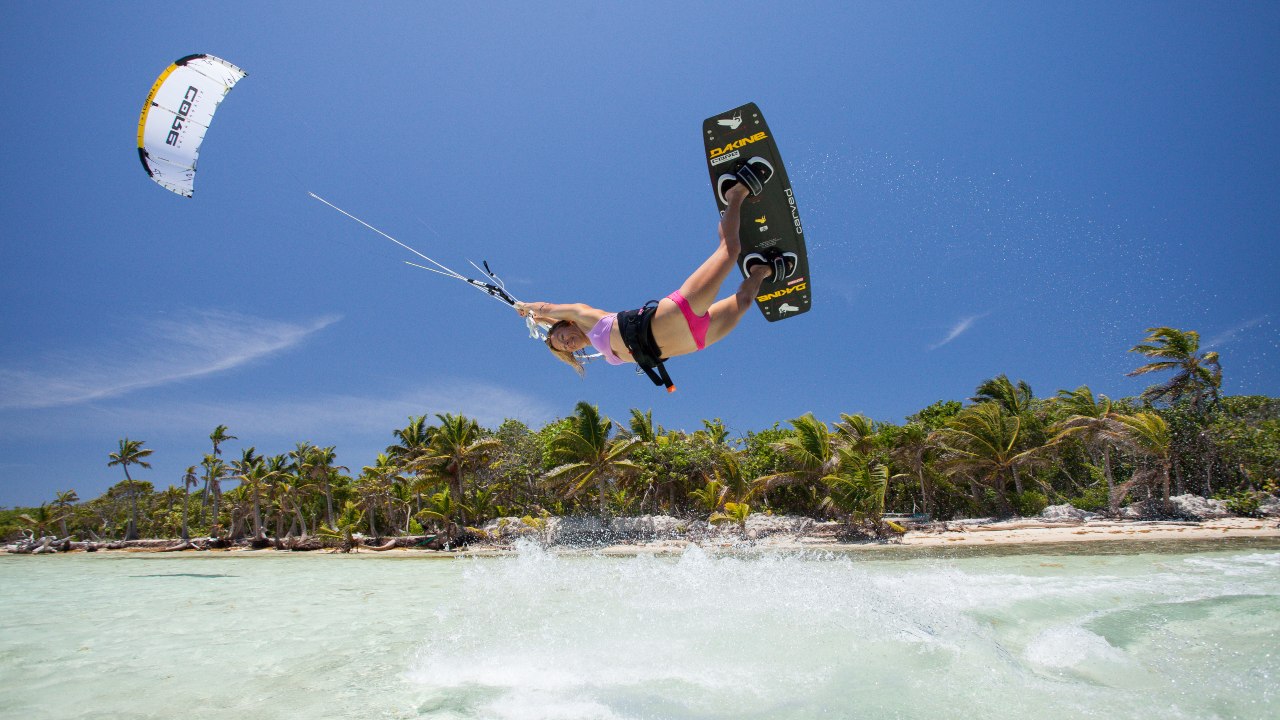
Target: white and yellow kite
177 115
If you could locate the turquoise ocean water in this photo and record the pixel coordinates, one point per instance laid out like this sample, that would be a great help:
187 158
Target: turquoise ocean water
1172 631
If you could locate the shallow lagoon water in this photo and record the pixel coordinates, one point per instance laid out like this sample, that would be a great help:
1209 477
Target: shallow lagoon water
1098 630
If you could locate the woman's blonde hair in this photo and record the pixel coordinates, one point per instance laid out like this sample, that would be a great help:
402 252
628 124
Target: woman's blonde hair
567 357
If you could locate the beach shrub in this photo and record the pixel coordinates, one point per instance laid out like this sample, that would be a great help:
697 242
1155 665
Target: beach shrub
937 414
1028 502
1246 503
1094 499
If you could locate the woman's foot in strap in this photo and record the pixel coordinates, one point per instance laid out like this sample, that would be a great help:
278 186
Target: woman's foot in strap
752 175
780 265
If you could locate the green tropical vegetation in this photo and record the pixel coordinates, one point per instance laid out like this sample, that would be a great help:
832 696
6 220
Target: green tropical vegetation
1003 452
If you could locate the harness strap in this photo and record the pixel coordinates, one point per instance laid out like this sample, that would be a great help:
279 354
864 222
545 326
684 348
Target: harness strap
660 376
637 335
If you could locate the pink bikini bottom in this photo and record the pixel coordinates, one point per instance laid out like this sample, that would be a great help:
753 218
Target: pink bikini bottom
698 324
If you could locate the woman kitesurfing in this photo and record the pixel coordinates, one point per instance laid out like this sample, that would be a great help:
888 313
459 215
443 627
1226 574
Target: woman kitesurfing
687 320
683 322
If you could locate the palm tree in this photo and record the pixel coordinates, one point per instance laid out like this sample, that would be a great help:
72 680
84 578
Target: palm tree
219 436
735 512
189 480
728 472
588 455
414 441
856 432
1147 435
255 478
374 488
63 501
444 509
291 494
642 426
1090 421
214 471
981 443
1015 399
712 496
1196 376
456 447
320 468
909 450
810 452
857 487
131 452
303 481
40 520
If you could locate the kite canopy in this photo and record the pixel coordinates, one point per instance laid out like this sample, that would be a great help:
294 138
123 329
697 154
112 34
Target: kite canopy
177 115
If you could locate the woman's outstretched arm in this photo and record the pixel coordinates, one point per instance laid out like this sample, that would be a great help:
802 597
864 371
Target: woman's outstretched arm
577 313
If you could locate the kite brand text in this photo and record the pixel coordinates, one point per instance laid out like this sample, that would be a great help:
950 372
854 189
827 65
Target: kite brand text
780 293
716 152
175 130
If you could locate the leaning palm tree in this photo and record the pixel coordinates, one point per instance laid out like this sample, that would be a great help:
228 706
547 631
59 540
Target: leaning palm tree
981 443
910 448
1090 421
40 519
809 452
131 452
214 472
588 456
291 495
189 480
1146 434
1197 377
63 501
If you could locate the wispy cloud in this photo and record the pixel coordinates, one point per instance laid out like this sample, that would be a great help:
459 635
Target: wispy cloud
1234 331
957 330
336 415
158 353
323 418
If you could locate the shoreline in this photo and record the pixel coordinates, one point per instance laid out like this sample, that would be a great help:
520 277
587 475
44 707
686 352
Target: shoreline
1013 534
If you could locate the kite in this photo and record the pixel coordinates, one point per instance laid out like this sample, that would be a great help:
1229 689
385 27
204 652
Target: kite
177 115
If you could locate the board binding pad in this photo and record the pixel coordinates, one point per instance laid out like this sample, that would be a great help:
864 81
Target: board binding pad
770 221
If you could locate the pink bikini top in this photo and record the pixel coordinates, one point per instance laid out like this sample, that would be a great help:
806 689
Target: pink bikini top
599 337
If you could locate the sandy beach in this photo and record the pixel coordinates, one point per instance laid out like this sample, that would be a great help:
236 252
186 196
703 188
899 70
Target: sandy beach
829 536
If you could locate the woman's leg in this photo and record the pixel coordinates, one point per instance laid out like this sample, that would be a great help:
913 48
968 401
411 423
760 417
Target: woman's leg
726 313
704 284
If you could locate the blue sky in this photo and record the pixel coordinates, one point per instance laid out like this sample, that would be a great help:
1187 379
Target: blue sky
987 188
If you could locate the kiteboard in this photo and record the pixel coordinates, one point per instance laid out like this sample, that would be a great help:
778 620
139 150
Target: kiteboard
771 220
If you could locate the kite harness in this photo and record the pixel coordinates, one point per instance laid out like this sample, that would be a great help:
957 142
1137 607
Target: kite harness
636 328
